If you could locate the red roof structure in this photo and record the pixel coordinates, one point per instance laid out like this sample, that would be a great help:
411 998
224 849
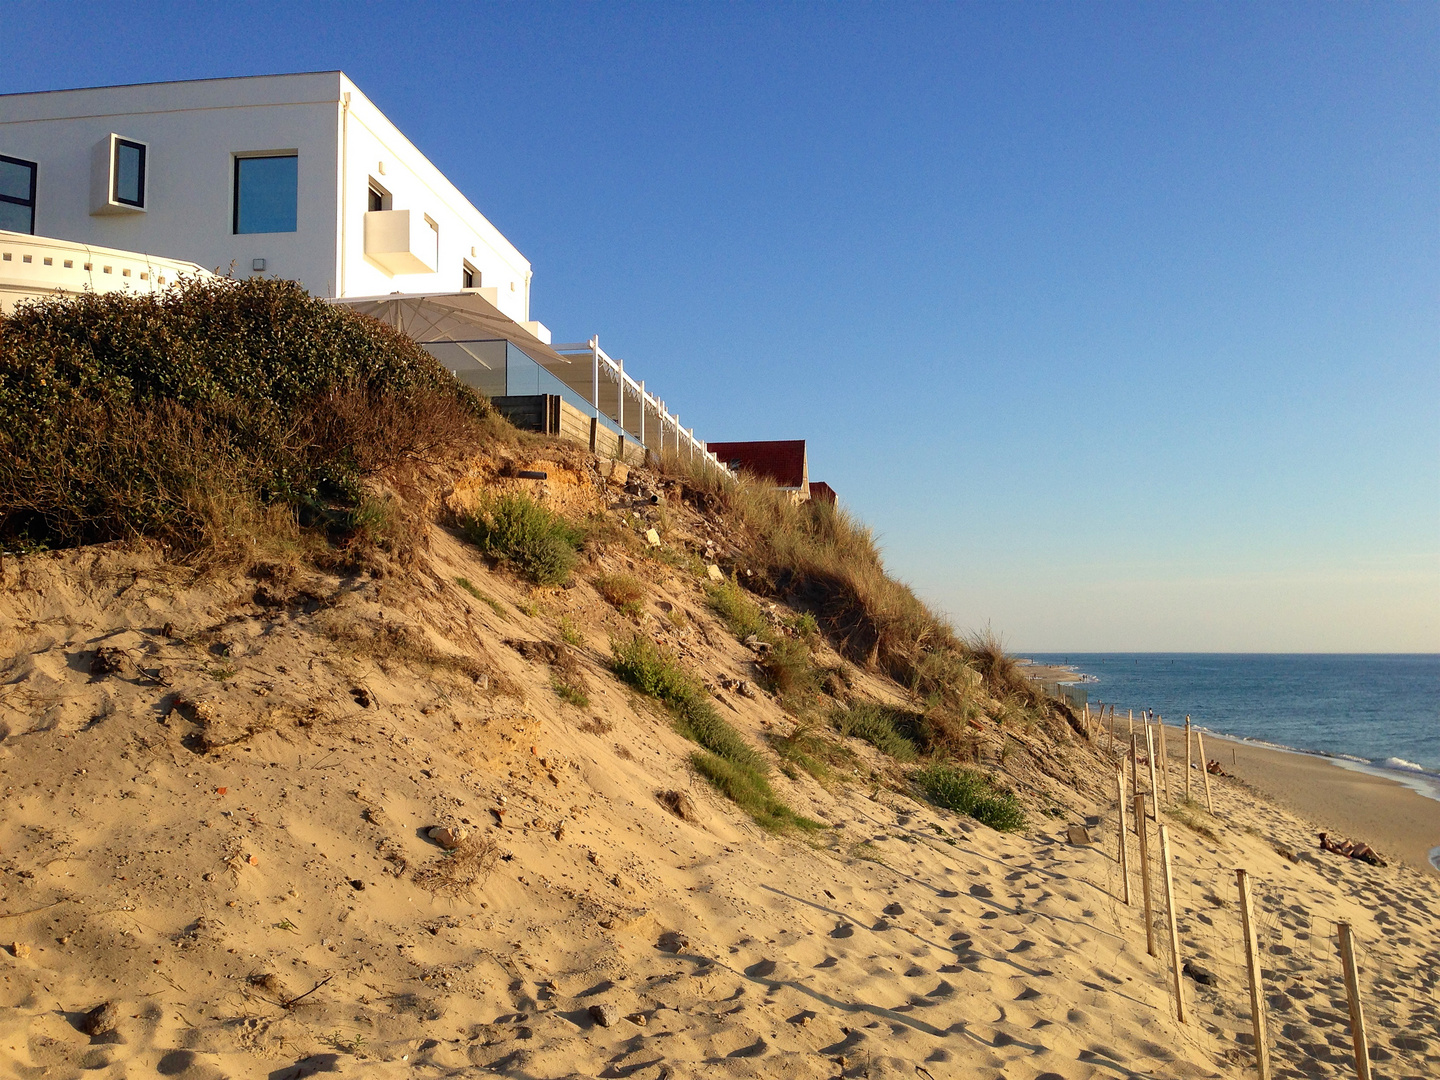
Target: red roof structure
822 492
781 462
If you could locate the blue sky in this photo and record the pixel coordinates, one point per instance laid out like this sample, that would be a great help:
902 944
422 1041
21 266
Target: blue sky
1118 322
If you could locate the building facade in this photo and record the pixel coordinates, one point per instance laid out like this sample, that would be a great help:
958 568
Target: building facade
297 176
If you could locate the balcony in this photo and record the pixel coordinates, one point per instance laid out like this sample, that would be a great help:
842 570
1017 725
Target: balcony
402 242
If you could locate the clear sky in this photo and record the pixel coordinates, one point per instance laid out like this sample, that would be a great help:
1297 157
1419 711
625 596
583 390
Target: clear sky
1118 322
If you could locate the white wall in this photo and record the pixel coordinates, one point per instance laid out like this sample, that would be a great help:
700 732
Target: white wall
415 184
194 130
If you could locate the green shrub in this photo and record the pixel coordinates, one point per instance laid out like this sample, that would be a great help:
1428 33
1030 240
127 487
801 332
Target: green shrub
492 604
185 415
790 672
751 792
967 791
894 732
514 528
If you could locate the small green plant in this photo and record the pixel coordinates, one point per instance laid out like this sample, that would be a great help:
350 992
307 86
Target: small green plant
623 591
221 673
570 633
894 732
967 791
493 605
806 749
350 1046
734 767
806 628
286 924
514 528
740 613
571 693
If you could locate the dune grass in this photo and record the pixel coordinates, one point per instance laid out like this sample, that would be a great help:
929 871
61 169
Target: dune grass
731 765
897 733
968 791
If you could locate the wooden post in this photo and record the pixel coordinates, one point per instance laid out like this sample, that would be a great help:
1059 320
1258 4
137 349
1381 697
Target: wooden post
1112 728
1145 874
1352 992
1164 763
1124 842
1252 969
1150 753
1132 721
1187 757
1205 771
1134 765
1170 920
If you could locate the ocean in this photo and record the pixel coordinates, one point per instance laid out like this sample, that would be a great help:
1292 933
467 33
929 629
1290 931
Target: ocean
1373 711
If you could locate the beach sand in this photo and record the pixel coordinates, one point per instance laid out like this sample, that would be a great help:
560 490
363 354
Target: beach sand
239 863
1396 821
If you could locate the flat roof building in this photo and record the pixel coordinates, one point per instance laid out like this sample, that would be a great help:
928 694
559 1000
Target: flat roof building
298 176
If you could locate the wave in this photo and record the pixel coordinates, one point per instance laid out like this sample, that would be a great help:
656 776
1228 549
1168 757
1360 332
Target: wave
1403 765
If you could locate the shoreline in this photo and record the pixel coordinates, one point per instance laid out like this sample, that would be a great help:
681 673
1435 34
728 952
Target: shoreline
1353 799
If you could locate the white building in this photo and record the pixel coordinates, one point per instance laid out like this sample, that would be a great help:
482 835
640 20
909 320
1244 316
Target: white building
297 176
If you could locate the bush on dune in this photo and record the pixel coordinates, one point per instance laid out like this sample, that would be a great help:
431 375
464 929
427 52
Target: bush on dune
198 414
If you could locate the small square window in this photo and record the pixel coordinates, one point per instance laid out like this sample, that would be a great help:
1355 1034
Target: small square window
109 269
266 194
125 273
89 266
144 276
49 261
27 258
6 257
69 264
469 276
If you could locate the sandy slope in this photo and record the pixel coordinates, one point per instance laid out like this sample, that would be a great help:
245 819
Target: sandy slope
238 815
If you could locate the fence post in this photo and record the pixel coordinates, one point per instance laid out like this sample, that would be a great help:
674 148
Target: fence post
1187 757
1170 920
1150 753
1205 770
1134 765
1145 874
1124 844
1352 992
1252 970
1164 765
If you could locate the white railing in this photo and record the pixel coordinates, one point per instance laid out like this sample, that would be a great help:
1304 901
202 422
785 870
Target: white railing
685 444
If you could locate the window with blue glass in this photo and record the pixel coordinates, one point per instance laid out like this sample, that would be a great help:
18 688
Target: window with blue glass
17 194
266 193
127 182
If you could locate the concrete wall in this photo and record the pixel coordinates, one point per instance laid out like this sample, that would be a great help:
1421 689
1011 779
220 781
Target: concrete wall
194 130
36 266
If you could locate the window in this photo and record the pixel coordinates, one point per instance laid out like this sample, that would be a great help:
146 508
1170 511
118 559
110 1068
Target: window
127 184
266 192
17 194
378 199
436 230
469 277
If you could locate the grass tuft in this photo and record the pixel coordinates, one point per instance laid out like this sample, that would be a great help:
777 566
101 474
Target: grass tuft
492 604
894 732
623 591
515 529
734 767
967 791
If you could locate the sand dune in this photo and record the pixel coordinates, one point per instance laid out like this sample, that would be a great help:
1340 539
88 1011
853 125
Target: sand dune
227 839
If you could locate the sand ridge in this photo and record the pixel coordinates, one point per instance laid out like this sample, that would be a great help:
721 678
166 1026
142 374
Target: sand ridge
237 816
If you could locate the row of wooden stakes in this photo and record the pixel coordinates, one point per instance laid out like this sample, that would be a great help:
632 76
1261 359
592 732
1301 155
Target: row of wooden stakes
1138 799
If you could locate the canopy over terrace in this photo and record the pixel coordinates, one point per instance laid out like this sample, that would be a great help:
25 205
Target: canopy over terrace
488 350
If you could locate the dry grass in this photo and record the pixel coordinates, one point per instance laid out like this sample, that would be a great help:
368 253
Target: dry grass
624 592
458 873
825 562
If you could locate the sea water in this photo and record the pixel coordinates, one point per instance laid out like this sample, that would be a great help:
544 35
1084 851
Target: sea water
1379 712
